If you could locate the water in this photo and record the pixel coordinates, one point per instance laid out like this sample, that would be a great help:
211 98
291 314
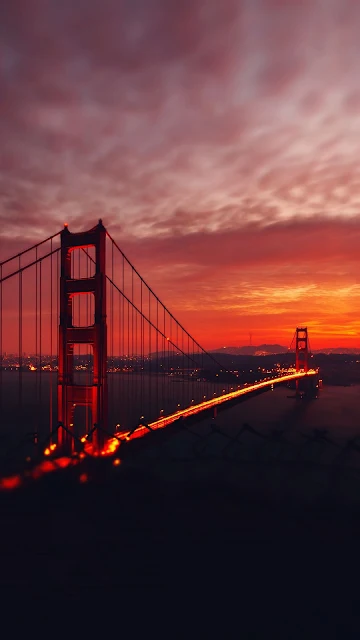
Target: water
337 409
131 396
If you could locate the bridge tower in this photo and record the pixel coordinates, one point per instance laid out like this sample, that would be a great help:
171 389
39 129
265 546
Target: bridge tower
70 394
302 353
302 349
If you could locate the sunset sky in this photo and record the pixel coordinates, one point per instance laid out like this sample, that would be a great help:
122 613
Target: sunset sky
219 141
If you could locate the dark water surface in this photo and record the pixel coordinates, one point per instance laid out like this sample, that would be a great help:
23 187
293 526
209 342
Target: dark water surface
337 409
33 405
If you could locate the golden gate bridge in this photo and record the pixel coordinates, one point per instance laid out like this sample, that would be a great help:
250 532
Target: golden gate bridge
91 357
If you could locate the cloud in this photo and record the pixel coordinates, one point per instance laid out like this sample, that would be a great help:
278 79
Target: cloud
214 138
248 245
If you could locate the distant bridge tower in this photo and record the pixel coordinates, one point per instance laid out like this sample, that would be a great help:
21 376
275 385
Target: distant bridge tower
302 349
70 394
302 352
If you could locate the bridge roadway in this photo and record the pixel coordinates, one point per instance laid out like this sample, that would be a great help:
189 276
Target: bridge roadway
160 423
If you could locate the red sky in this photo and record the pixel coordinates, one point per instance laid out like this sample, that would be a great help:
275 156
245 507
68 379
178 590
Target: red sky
218 141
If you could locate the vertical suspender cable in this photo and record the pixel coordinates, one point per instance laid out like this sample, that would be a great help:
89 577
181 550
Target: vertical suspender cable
51 340
169 368
182 365
20 335
157 356
136 385
136 389
86 355
79 323
120 390
1 342
132 339
163 360
141 407
195 373
36 342
110 366
178 365
40 338
128 344
112 307
122 329
189 391
57 304
203 376
177 348
149 362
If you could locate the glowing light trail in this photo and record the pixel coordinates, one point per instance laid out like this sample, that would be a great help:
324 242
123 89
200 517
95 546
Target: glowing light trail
15 481
160 423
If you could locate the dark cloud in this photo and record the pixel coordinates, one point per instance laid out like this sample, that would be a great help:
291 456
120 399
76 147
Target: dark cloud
291 243
220 136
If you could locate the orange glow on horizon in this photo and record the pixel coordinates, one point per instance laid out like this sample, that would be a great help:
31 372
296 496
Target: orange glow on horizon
214 305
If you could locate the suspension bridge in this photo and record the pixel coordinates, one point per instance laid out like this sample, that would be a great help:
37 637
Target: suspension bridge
90 356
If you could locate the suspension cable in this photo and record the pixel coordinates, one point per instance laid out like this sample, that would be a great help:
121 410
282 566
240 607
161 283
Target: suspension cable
31 264
135 308
165 308
35 246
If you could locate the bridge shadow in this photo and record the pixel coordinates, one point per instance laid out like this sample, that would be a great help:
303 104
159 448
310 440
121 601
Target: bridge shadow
286 462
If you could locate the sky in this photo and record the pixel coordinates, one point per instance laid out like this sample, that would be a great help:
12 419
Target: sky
218 141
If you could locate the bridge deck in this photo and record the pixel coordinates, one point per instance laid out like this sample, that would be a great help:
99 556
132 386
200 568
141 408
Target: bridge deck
160 423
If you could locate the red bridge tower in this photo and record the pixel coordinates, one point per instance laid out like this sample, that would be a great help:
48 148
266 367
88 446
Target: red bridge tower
302 352
302 349
70 394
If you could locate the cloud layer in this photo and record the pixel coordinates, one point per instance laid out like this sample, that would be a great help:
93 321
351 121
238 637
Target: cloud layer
219 141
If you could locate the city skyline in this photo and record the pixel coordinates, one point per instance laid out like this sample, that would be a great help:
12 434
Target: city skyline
217 141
